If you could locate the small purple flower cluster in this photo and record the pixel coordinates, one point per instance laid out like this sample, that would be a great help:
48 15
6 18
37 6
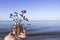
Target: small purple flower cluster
16 15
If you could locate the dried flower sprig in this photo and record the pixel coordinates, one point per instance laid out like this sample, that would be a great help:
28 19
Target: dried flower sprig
16 18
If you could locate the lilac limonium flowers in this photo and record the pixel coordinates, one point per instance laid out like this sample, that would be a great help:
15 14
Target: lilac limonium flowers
11 15
16 14
17 18
23 11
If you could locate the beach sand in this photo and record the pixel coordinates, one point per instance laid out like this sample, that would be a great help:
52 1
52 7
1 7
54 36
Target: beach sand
46 37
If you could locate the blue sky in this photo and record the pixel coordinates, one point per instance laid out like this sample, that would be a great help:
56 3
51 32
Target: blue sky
36 9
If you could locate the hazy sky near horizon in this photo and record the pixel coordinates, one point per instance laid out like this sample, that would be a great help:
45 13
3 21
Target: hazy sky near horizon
36 9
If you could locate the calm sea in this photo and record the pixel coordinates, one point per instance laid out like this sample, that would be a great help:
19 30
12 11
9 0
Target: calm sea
40 26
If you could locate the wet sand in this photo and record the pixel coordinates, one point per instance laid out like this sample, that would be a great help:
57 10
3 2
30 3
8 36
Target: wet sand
49 37
46 37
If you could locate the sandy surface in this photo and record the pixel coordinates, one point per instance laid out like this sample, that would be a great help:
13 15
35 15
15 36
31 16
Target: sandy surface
48 37
52 37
